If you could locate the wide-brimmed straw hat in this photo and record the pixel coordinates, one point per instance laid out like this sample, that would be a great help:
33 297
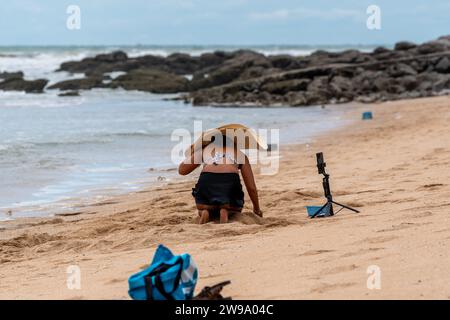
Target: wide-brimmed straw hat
252 140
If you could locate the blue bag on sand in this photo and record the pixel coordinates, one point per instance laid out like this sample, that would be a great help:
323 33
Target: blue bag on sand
169 277
367 115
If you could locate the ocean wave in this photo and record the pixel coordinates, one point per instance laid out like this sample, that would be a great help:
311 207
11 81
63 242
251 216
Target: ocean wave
102 138
14 148
137 134
21 148
105 170
20 99
49 144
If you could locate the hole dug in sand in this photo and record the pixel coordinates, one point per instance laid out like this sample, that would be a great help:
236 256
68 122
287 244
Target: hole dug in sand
243 217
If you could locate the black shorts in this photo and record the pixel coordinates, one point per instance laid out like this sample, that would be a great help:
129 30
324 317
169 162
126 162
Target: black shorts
219 189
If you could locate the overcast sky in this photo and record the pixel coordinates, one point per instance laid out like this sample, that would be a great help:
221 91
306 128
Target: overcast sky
240 22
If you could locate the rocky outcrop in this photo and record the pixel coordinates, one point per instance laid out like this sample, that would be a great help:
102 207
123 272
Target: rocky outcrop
14 81
443 65
415 76
247 77
11 75
408 71
177 63
79 84
151 81
243 64
404 45
207 70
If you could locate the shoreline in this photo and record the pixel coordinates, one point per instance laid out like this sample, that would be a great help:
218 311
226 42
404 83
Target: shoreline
65 206
401 227
156 173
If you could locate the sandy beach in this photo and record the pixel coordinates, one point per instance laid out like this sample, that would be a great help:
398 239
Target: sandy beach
393 168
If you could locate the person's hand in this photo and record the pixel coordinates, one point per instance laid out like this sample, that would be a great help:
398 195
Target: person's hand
258 212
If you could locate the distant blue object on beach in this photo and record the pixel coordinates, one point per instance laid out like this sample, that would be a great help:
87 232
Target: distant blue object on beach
367 115
313 209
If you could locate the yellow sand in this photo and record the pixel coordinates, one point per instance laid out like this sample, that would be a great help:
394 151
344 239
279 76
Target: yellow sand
395 169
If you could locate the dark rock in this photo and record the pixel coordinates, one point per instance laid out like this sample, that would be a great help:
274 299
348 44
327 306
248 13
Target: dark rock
115 56
382 83
78 66
322 57
105 63
404 45
178 63
379 50
318 91
79 84
255 72
213 59
11 75
145 62
283 87
199 100
285 62
295 99
341 87
351 56
392 55
102 63
182 63
443 65
321 54
400 69
247 77
432 82
419 65
441 83
408 82
232 69
433 47
318 83
19 84
315 98
151 81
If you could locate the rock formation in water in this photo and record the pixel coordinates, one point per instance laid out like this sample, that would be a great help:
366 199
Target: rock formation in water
14 81
245 77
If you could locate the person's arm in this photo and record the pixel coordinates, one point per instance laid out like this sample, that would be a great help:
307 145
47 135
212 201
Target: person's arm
188 165
250 185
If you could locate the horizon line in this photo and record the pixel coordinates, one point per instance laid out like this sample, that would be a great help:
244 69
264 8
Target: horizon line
198 45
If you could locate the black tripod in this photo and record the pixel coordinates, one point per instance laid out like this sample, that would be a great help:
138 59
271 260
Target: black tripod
328 206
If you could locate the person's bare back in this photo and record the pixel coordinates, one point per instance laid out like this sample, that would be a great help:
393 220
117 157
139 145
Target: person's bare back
219 188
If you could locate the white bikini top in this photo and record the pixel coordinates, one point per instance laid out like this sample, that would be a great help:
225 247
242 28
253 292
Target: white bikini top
218 156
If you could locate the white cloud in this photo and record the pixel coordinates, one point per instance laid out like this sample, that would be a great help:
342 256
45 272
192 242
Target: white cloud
305 13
